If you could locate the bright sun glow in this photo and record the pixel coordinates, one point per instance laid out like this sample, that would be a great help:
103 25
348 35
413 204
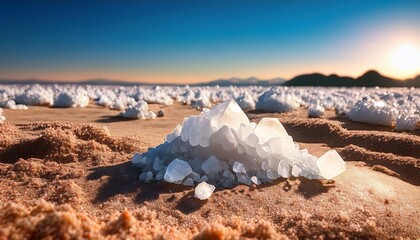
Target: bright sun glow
406 59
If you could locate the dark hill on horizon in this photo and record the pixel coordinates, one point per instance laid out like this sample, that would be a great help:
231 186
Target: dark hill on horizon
369 79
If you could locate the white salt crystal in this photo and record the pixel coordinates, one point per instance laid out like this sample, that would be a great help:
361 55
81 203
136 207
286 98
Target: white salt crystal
242 178
136 158
255 180
204 190
269 128
296 171
238 168
195 176
331 164
189 182
211 166
225 138
271 174
204 178
175 133
160 174
177 170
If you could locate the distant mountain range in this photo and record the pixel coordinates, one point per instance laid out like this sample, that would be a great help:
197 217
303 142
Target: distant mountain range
369 79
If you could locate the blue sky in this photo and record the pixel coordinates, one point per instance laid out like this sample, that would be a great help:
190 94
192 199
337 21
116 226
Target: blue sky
192 41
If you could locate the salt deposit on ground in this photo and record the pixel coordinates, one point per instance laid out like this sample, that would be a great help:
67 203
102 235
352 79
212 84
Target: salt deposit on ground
371 111
407 122
139 111
277 101
220 146
201 103
67 100
2 118
246 101
316 111
380 106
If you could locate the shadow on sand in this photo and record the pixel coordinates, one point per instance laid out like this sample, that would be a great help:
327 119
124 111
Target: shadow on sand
310 188
123 179
112 118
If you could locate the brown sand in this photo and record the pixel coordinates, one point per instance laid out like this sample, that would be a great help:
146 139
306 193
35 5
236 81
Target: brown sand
62 177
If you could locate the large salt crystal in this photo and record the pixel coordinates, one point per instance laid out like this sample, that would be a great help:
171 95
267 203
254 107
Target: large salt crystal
177 170
269 128
204 190
331 164
212 166
197 129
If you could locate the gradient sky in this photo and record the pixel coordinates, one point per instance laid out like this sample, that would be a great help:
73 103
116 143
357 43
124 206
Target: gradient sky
198 40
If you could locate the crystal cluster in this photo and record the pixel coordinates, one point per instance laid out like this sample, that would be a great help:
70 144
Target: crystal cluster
222 148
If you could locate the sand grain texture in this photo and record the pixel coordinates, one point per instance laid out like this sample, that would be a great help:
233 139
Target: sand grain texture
65 174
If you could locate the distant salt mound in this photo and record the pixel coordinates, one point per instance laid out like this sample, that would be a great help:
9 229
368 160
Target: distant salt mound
316 111
139 111
201 103
2 118
11 104
220 146
69 100
35 96
407 122
246 102
277 101
373 112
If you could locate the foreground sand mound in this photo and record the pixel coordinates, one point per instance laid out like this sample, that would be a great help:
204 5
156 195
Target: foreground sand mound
64 143
45 220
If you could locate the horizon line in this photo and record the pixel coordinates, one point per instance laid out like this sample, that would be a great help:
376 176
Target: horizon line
56 81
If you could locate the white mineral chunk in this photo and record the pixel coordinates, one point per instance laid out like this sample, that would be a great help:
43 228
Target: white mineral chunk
269 128
189 182
242 178
177 170
225 138
204 190
331 164
255 180
204 178
239 168
212 166
175 133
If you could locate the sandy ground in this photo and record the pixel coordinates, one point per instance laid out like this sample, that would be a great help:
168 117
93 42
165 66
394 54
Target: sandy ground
65 174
